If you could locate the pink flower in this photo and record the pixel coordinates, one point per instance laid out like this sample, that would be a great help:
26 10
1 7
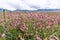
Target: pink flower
3 35
52 38
38 38
23 27
51 23
40 24
48 26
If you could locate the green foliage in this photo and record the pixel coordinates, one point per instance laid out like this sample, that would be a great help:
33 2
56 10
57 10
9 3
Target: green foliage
1 30
13 34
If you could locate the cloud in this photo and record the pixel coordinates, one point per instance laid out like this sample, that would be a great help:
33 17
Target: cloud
29 4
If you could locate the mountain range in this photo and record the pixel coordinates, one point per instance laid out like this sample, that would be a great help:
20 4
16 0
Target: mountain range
43 10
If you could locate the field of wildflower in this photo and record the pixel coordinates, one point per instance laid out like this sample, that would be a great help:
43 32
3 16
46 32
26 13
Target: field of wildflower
30 26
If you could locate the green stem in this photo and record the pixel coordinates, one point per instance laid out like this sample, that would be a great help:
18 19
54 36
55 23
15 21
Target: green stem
5 23
4 17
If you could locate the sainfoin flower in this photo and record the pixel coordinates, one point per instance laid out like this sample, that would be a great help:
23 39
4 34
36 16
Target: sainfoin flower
3 35
48 26
38 38
40 24
35 21
51 22
23 27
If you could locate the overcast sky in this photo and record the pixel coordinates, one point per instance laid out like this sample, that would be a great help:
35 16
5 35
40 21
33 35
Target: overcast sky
29 4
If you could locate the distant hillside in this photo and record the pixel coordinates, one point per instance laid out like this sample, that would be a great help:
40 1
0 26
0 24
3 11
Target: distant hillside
0 9
42 10
48 10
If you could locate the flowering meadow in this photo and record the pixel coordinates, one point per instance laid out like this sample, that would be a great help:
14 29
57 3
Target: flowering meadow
30 26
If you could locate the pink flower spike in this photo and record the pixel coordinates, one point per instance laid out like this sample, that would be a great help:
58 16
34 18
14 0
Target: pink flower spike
3 35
